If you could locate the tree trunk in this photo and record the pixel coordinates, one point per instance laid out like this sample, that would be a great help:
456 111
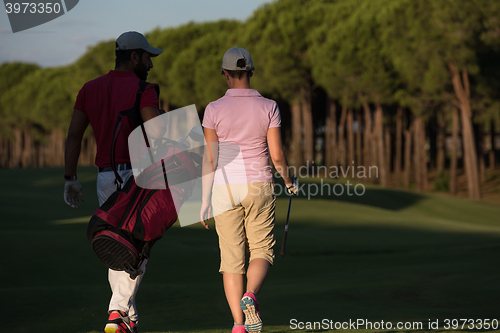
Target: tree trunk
17 149
480 151
420 157
366 137
374 144
40 156
331 134
307 120
454 152
4 152
27 160
368 161
341 141
359 152
350 136
399 146
25 149
423 155
441 142
379 138
52 152
10 143
48 150
388 144
59 147
388 153
296 147
462 92
492 144
407 165
416 154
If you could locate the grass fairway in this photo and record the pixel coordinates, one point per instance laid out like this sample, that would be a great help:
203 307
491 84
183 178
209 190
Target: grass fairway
387 255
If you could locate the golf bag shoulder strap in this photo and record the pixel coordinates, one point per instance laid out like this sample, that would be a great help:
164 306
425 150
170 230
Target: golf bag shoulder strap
134 114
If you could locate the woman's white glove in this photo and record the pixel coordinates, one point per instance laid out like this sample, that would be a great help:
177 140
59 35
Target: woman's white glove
294 188
73 190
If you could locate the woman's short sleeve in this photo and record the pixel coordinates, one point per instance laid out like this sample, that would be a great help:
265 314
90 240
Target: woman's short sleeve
208 121
275 117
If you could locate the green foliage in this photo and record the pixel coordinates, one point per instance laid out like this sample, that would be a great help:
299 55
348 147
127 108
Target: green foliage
421 38
195 71
347 54
44 98
386 51
277 37
174 73
97 61
12 75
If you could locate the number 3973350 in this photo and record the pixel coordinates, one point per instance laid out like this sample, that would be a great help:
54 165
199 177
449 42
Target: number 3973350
32 8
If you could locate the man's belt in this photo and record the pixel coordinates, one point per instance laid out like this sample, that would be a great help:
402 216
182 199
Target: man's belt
119 167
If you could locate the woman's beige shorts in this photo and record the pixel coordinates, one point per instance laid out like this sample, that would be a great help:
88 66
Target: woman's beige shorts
244 220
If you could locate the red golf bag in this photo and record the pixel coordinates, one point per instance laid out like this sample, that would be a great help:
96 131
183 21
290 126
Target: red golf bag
123 230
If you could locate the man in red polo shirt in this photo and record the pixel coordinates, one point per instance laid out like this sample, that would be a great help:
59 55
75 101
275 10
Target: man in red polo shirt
98 103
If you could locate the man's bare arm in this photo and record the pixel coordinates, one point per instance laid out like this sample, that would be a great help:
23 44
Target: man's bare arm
154 129
77 127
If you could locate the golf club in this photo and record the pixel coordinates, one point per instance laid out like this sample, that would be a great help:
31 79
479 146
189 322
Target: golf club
285 235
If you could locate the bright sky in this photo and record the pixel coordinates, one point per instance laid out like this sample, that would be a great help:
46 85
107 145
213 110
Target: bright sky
63 40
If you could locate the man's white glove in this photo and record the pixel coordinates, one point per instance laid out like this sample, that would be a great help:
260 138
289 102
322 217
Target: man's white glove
73 190
294 188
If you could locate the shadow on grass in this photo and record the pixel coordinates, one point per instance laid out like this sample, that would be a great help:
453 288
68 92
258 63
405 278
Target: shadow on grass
361 194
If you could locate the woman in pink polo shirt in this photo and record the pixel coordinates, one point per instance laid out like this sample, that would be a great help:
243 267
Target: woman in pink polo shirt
241 129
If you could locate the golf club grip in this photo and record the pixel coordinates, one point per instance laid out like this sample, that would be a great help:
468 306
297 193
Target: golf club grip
283 244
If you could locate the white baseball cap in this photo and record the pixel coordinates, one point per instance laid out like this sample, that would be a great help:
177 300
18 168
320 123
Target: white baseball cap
132 40
231 57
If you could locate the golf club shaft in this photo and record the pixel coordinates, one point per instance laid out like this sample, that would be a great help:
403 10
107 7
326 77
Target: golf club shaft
283 244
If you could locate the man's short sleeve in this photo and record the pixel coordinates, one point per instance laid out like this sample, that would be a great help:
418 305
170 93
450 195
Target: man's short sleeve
275 117
149 97
208 121
80 100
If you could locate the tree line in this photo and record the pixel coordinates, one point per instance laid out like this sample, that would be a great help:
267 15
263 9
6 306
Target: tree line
411 87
